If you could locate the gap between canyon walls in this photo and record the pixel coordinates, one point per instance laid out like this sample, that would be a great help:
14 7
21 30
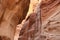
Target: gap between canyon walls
31 28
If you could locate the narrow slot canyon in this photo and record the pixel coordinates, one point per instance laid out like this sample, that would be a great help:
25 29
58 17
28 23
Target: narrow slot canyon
29 19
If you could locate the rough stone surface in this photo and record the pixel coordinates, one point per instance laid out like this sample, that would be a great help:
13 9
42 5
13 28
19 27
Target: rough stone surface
49 28
12 12
40 22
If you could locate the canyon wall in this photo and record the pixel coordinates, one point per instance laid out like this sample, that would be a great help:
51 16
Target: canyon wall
12 12
35 19
45 26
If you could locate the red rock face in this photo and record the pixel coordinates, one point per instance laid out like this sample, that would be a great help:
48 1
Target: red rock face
48 9
12 12
49 26
42 20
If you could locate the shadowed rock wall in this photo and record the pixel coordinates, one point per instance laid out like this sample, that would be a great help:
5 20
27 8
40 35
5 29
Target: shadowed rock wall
12 12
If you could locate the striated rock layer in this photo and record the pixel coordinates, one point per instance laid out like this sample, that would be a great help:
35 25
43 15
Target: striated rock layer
45 26
40 22
50 20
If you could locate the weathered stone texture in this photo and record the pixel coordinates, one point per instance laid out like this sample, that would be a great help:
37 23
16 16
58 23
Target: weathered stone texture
42 20
12 12
49 23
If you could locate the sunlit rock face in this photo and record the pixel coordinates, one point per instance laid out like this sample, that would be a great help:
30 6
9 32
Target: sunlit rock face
12 12
29 27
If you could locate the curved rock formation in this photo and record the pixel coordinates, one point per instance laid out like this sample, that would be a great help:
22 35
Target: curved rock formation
49 26
40 22
12 12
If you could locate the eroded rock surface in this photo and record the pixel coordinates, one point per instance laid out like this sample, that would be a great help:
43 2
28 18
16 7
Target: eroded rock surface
12 12
41 21
49 28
